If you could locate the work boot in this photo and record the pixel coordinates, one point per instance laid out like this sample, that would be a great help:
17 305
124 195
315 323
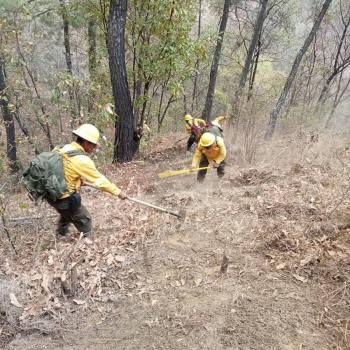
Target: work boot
87 234
62 231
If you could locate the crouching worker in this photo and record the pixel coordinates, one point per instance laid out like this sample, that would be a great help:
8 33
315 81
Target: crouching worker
211 151
78 167
193 127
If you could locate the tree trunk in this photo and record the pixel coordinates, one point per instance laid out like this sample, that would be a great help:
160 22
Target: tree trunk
92 48
9 124
308 89
72 90
254 69
253 43
338 67
215 64
66 41
92 61
277 109
337 99
126 138
41 119
196 66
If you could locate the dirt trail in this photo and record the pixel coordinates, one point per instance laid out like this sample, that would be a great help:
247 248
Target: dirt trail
173 296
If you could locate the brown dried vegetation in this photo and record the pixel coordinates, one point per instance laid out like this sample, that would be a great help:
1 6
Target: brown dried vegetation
282 228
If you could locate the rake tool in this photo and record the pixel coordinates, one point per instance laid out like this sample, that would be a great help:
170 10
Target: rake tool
179 215
169 173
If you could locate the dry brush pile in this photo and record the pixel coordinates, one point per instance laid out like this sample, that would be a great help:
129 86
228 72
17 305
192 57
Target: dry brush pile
46 279
304 218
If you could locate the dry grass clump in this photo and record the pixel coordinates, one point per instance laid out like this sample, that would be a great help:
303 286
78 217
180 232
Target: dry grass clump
303 229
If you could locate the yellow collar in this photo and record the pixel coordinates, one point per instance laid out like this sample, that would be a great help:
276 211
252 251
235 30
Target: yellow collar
78 147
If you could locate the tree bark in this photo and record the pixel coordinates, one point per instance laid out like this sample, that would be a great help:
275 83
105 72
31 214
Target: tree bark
66 40
337 99
42 120
72 90
92 48
215 63
340 62
126 137
11 150
196 66
277 109
253 43
254 69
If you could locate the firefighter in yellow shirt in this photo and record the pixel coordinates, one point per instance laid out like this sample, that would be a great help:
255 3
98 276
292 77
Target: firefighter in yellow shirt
193 127
78 167
211 151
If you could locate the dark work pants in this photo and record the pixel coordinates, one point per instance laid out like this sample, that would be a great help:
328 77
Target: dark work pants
191 140
203 163
79 217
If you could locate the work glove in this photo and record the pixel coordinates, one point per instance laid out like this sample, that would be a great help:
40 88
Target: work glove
214 164
122 196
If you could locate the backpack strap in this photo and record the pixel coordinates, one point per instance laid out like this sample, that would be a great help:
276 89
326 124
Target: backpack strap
74 152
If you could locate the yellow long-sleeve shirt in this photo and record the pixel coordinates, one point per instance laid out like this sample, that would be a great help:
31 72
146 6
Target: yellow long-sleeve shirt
81 166
194 122
216 152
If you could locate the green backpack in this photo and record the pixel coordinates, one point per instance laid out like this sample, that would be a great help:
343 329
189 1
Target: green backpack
213 129
44 177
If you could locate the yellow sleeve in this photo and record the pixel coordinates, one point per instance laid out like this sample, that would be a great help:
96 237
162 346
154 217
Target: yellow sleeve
196 158
87 170
222 152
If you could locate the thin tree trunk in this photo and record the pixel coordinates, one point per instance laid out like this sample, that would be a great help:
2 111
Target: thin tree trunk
92 48
215 63
160 121
254 70
66 40
184 99
126 138
72 90
325 89
337 67
92 60
9 123
145 101
41 119
253 43
160 108
277 109
196 66
337 99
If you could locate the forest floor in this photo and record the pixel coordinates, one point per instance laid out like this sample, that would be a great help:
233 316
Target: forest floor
150 281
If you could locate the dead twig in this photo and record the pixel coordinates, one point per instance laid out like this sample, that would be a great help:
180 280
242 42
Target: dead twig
8 234
69 283
224 264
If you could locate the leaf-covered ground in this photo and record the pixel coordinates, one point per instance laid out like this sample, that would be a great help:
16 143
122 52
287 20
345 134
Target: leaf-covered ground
149 281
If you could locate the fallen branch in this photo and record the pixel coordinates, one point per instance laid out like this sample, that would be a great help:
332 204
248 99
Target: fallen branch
68 283
27 218
8 234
